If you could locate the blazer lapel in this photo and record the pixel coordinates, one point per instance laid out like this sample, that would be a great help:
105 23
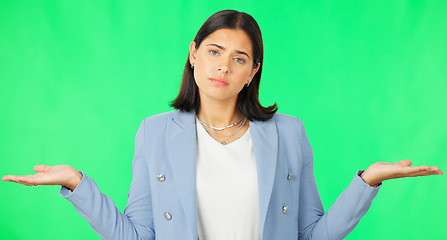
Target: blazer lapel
181 145
265 146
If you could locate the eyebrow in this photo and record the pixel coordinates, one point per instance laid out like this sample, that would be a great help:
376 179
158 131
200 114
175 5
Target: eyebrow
222 48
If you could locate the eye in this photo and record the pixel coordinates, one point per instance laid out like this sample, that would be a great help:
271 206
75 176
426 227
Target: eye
240 60
214 52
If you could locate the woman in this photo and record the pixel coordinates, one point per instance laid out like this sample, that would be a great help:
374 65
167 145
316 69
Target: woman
222 166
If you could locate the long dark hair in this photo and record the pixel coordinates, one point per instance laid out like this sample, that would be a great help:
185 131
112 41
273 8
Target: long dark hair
248 99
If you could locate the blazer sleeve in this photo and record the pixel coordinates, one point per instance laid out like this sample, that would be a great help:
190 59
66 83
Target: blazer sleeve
100 211
343 215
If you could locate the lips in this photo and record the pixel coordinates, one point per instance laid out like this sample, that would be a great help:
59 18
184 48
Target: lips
219 81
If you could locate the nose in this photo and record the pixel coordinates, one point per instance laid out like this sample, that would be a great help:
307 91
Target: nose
224 66
223 69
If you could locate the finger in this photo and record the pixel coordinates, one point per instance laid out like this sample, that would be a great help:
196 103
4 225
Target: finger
27 180
18 179
436 170
26 183
6 178
11 178
406 163
42 168
414 170
425 172
421 174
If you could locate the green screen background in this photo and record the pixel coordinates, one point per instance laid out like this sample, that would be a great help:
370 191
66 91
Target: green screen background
368 78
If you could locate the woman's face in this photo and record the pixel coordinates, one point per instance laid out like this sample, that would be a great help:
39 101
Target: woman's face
223 64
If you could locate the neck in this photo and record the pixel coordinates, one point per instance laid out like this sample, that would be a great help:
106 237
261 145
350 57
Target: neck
218 113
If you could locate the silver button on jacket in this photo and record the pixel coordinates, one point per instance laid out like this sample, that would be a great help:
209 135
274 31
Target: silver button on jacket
168 216
289 176
161 177
285 209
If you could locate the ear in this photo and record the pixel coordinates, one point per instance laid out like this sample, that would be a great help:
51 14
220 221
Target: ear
253 73
192 53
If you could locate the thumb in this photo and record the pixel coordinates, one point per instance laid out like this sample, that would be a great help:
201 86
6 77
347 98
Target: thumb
405 163
42 168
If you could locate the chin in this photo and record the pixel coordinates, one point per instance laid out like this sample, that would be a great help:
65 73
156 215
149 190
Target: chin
217 95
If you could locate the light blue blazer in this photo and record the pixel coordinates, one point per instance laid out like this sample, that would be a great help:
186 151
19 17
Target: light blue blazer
166 208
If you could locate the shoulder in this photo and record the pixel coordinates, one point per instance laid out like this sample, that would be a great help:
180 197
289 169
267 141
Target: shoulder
288 127
283 123
160 118
291 129
157 123
284 120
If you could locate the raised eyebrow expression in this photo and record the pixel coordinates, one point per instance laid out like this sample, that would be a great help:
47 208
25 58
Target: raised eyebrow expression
222 48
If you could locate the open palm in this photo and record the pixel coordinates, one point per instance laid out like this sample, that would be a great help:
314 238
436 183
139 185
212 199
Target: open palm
381 171
64 175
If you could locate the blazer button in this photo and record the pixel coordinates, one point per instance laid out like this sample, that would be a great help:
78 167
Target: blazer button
168 216
161 177
285 209
289 176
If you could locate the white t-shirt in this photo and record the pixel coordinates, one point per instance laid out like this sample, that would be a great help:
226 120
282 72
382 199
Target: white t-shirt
227 188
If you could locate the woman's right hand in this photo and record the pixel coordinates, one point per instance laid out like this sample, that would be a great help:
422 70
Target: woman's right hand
63 175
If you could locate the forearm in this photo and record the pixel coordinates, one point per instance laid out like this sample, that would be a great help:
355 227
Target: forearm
344 214
100 211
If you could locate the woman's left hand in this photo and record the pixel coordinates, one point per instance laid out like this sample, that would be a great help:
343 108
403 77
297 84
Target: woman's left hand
381 171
